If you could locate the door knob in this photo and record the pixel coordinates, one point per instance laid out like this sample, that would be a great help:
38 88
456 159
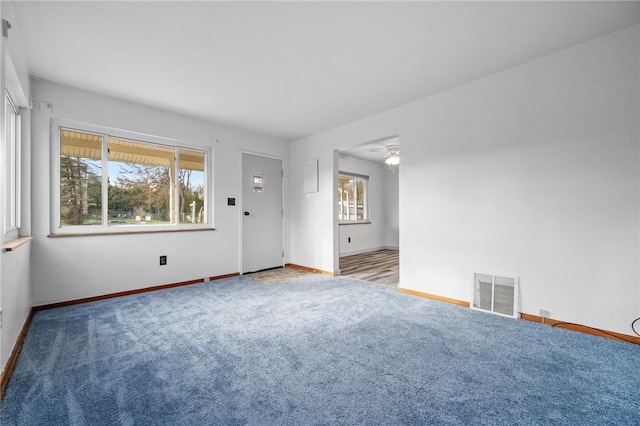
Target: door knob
246 213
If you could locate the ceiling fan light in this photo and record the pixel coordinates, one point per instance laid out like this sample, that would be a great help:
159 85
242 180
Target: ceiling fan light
393 159
393 156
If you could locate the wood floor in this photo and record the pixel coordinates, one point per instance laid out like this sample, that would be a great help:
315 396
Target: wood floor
381 266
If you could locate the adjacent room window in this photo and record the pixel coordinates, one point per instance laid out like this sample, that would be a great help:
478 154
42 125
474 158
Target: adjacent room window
113 183
12 170
352 198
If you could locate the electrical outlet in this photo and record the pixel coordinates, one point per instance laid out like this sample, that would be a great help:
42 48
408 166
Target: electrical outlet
544 313
207 279
163 260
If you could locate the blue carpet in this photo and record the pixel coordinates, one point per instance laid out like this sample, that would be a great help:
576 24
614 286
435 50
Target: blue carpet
311 351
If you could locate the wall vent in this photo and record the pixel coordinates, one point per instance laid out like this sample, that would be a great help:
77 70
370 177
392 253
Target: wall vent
496 294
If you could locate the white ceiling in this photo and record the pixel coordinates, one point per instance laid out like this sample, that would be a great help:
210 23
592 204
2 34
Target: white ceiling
375 151
291 69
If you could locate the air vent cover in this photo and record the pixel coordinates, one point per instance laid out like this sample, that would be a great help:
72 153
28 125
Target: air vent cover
496 294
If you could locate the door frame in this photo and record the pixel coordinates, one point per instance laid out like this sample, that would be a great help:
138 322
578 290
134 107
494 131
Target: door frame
336 173
240 205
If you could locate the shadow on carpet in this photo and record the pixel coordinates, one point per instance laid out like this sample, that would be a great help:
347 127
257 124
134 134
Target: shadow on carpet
312 351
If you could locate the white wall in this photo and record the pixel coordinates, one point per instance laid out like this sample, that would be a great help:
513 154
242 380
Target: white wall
392 207
531 172
77 267
16 296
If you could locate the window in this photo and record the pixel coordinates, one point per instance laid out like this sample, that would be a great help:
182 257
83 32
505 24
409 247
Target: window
112 182
12 169
352 198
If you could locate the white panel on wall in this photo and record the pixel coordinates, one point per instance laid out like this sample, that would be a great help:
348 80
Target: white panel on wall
310 176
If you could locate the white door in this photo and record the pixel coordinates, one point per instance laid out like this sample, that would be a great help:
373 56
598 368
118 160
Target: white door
262 216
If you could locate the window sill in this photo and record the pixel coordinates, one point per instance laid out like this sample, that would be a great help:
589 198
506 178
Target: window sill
359 222
102 234
15 243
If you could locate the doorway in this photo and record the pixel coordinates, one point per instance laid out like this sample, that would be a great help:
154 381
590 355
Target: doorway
262 213
367 246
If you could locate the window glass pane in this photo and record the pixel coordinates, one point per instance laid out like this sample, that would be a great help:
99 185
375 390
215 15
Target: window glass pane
360 202
139 183
192 186
347 197
80 178
11 165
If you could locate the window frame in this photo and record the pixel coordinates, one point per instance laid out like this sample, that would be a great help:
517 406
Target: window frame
13 172
106 228
365 219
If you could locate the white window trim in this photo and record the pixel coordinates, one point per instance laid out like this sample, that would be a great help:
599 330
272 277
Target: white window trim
366 200
13 192
106 228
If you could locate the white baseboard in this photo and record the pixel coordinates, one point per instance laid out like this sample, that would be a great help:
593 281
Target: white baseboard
350 253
